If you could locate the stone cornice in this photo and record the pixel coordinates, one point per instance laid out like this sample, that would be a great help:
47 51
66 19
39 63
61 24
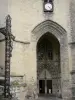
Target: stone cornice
72 42
16 75
17 41
73 72
12 75
22 42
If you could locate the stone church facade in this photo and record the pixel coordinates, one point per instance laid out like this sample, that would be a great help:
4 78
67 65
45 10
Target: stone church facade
44 45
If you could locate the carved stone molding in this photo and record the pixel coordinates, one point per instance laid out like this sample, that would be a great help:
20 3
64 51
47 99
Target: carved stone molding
48 26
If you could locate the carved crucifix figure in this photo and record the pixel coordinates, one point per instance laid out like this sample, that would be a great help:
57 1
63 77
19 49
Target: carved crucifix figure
6 31
8 49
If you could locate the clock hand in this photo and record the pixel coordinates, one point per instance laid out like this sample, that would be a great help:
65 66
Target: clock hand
48 6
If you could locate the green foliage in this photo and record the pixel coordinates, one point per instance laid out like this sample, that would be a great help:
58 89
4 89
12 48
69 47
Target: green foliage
15 84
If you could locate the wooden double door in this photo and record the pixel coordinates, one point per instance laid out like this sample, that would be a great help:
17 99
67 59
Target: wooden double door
45 86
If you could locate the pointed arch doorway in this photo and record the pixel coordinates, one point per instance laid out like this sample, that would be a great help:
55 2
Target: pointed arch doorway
59 34
48 64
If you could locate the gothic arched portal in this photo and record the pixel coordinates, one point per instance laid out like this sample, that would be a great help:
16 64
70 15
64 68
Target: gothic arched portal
45 33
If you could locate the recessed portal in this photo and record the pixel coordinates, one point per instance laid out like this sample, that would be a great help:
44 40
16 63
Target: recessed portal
48 64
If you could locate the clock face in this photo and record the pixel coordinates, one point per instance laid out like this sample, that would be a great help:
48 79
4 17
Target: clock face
48 6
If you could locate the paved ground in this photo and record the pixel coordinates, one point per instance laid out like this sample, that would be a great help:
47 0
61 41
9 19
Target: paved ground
40 98
49 98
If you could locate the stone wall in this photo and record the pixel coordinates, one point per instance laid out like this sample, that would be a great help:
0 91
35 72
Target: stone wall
72 44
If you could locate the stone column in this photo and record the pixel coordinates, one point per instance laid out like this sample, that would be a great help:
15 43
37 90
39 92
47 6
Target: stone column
65 79
72 19
65 84
73 84
73 70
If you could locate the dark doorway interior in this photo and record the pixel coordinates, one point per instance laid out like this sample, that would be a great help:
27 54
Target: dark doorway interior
41 86
49 86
